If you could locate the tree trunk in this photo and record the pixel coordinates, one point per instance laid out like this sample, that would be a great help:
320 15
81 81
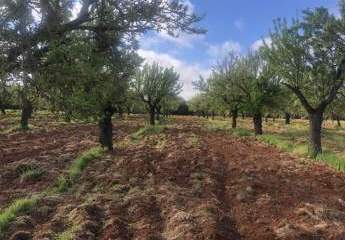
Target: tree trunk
3 111
257 119
212 115
26 113
243 116
338 121
106 128
315 125
128 111
120 112
158 113
152 115
287 118
234 115
68 115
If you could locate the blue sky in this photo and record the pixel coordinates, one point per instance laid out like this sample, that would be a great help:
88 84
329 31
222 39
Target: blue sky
232 25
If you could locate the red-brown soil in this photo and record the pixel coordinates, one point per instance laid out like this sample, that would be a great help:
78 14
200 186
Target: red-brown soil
190 183
51 151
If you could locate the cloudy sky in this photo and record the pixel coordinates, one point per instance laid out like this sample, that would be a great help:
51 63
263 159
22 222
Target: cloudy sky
233 25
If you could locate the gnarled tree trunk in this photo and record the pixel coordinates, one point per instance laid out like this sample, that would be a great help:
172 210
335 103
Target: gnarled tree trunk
287 118
152 115
106 127
257 119
26 112
234 115
315 125
338 121
158 113
3 111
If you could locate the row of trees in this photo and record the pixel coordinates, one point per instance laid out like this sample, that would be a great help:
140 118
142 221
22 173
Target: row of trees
83 63
299 71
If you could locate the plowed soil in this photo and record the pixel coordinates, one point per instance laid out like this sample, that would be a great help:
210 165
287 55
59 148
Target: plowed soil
189 183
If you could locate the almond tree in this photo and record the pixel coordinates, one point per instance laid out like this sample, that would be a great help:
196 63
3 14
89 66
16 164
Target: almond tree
223 86
258 85
153 84
308 56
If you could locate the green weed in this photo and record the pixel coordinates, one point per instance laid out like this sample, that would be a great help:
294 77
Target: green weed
11 212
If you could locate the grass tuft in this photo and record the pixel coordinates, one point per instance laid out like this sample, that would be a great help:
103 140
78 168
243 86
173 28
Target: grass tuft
29 172
81 162
11 212
328 157
217 125
69 234
332 159
65 182
240 132
147 131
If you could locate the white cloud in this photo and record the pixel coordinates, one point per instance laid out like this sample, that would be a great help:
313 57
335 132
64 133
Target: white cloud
260 43
239 24
188 72
220 51
183 40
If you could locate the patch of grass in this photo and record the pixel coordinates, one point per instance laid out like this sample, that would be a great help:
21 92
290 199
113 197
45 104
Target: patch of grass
193 141
240 132
11 212
65 182
32 174
332 159
328 157
69 234
81 162
29 172
217 125
147 131
281 143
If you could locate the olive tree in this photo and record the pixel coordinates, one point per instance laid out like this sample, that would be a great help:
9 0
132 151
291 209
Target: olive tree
308 56
258 85
153 83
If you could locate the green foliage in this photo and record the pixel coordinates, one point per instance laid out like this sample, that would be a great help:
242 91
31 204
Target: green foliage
11 212
156 86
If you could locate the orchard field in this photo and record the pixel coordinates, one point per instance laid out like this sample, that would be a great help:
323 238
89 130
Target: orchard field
172 120
188 178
